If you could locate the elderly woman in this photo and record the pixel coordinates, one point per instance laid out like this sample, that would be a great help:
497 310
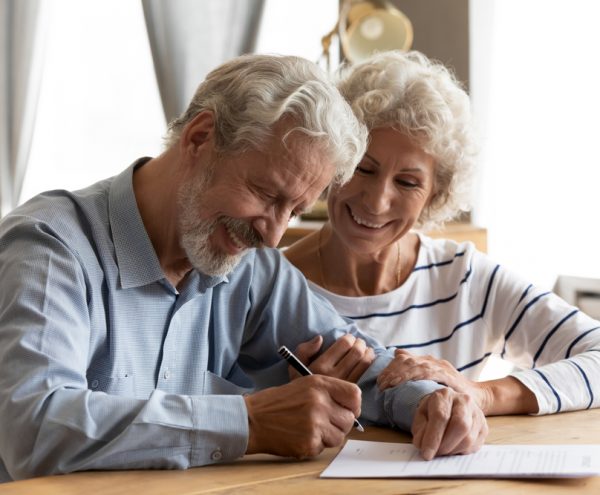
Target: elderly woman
443 305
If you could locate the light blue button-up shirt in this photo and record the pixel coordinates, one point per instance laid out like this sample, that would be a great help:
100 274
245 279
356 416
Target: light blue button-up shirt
105 365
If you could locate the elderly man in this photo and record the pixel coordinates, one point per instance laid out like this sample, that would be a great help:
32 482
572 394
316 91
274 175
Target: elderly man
139 327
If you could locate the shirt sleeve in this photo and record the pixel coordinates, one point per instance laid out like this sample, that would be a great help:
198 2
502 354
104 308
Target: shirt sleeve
52 422
555 346
286 312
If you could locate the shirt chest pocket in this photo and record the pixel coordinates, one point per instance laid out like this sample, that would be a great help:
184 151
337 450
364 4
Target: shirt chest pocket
216 385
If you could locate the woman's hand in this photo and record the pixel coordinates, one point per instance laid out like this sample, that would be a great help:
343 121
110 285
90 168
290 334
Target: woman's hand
448 422
347 358
407 366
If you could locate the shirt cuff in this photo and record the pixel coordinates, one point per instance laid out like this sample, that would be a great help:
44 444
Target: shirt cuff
220 429
400 403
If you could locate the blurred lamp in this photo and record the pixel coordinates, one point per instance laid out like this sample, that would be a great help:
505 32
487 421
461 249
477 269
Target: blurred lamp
367 26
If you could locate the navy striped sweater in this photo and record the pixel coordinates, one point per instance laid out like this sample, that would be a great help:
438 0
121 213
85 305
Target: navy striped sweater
459 305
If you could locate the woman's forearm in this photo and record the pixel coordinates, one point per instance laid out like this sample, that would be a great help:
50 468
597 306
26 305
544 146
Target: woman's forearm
506 396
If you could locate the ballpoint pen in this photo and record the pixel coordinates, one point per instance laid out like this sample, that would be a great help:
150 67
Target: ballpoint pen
295 363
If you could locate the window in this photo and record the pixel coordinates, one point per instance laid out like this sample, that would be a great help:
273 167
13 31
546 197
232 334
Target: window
535 93
99 106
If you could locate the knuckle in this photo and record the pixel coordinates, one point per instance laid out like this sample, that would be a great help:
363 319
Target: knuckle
346 341
462 400
317 381
440 414
446 392
354 391
462 425
469 445
311 447
354 353
313 419
314 394
346 420
314 446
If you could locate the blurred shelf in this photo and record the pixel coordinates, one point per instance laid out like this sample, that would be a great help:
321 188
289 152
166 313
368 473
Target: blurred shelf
457 231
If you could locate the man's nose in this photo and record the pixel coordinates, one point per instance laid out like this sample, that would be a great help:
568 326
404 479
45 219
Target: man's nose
271 228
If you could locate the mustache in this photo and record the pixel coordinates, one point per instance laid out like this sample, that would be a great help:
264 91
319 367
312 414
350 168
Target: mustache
243 231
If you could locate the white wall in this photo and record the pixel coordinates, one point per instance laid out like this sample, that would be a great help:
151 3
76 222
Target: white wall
536 93
296 28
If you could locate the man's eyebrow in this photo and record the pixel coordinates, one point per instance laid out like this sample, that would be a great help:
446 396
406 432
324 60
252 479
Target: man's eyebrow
373 159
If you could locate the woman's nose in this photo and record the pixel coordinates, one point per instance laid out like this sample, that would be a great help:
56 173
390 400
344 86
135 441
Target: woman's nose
377 196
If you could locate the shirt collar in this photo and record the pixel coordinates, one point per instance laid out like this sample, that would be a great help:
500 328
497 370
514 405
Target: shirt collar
137 261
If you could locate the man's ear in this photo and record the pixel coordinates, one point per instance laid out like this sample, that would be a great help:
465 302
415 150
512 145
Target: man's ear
198 132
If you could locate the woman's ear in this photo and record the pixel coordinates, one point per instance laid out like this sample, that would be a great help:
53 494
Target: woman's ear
198 132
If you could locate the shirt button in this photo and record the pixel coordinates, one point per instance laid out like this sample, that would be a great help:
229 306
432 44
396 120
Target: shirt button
95 384
167 374
217 455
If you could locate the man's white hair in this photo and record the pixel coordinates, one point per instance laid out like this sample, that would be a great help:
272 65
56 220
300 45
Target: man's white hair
250 94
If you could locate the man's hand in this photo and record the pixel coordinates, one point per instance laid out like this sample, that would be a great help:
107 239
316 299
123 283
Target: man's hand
303 417
448 422
347 358
407 366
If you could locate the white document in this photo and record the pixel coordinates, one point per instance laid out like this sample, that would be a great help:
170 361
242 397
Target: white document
361 459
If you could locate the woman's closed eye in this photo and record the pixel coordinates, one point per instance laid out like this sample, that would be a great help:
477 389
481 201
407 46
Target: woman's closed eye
409 184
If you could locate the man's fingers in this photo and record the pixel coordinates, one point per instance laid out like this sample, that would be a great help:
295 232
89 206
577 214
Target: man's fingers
326 363
338 350
362 365
352 355
342 402
347 358
356 361
343 421
306 350
345 394
303 417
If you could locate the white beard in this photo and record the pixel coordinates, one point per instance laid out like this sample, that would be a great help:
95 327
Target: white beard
195 232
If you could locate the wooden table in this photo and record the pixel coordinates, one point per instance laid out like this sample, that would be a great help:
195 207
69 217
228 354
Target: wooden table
264 474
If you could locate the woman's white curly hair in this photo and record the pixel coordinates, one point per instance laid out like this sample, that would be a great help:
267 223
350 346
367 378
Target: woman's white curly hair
423 99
